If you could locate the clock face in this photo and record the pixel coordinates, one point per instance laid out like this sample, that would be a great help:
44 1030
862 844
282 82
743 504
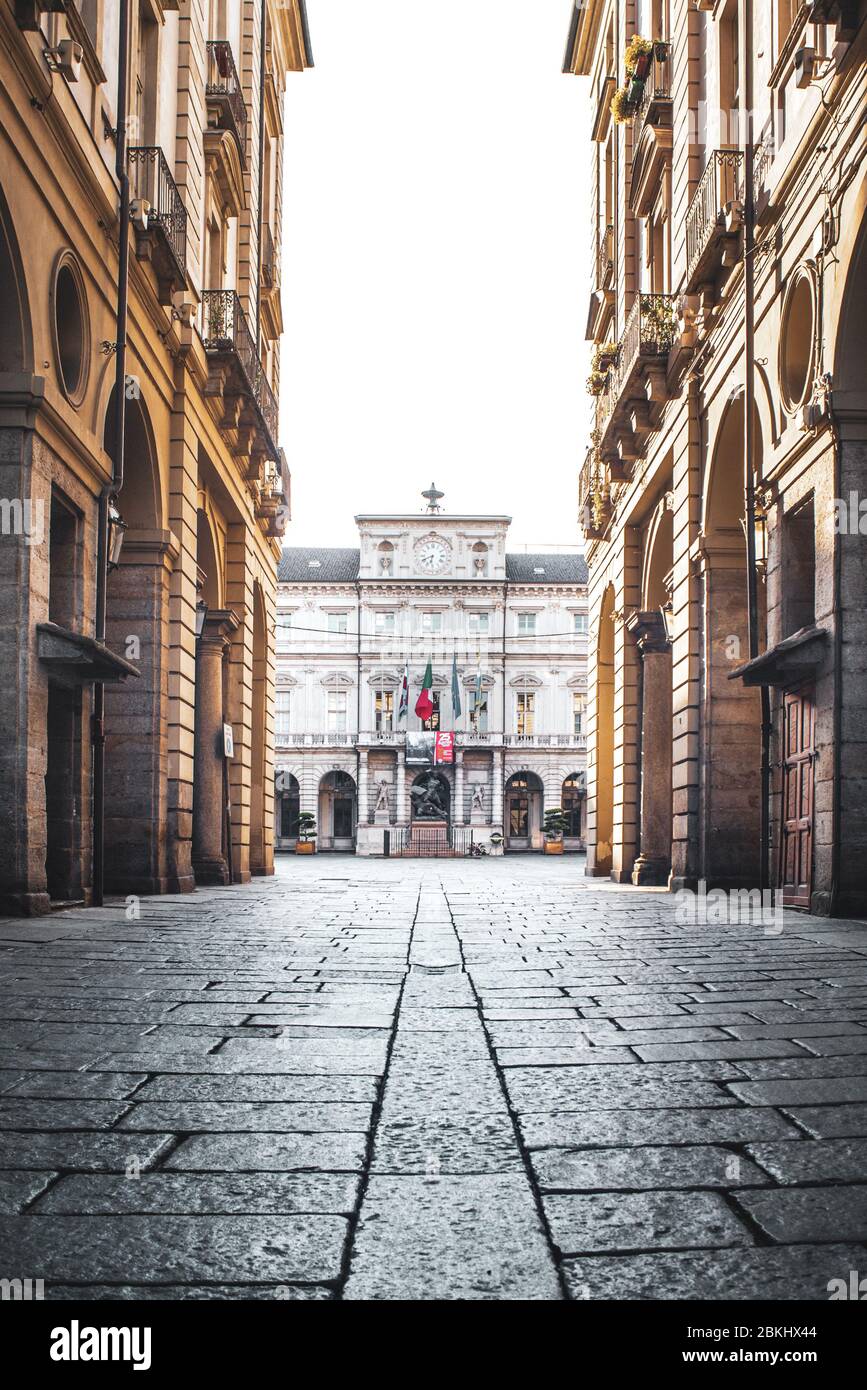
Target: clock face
432 557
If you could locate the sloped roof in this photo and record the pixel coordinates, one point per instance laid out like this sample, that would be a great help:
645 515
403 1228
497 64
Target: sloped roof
339 565
546 569
319 565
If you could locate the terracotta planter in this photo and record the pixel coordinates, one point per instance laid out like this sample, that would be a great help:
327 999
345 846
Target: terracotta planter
305 847
642 67
553 846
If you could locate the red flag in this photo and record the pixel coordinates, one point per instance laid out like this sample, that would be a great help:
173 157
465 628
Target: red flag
424 704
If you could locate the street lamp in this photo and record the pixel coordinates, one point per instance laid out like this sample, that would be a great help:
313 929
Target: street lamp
201 615
667 611
760 531
116 528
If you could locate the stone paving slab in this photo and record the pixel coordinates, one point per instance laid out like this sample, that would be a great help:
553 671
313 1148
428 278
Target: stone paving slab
431 1079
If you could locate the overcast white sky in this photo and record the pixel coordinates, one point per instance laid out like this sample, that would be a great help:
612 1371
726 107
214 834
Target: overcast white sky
435 266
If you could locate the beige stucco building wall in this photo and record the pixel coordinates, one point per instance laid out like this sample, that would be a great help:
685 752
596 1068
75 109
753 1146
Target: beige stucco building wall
206 487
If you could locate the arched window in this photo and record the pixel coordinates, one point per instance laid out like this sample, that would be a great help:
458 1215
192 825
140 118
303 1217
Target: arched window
289 797
571 802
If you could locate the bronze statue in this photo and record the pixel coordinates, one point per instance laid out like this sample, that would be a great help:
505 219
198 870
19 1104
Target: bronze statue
429 798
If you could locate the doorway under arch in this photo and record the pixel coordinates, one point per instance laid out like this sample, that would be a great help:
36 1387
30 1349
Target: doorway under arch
287 809
600 857
730 821
261 857
137 603
525 805
338 812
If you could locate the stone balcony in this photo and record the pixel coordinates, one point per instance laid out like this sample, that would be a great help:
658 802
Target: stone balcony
161 230
236 382
636 389
714 221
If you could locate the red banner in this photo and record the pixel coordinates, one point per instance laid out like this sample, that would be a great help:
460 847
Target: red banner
444 748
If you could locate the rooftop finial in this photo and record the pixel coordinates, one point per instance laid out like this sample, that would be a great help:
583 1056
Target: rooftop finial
433 495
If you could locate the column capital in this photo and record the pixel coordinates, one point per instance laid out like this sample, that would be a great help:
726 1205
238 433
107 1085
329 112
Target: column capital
648 629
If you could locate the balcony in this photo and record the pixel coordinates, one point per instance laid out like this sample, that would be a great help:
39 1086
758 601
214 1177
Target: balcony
163 241
224 96
714 220
655 105
635 389
236 377
602 106
763 158
651 153
270 261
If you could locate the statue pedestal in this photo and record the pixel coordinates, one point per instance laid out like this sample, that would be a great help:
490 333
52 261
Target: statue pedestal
428 836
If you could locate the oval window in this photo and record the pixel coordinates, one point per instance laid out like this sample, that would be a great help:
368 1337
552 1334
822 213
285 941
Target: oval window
70 329
797 341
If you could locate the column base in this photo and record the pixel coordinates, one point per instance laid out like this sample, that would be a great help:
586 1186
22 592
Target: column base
210 872
650 872
24 904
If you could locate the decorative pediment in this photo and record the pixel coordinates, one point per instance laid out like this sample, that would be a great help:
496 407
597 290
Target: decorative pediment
224 164
526 682
577 683
336 680
439 682
469 680
284 680
385 680
649 162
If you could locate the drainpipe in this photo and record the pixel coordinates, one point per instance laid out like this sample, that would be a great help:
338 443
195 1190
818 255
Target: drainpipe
745 37
113 487
261 184
502 830
358 709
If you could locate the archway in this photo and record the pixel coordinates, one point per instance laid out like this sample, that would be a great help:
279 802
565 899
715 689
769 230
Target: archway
137 597
261 859
730 820
338 803
287 808
525 805
445 792
842 870
211 847
600 857
15 340
648 628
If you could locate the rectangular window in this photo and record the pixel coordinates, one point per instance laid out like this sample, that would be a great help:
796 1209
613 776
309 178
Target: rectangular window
282 715
338 622
434 722
337 712
526 711
284 629
479 716
578 706
479 623
527 624
799 569
384 711
580 623
384 624
431 623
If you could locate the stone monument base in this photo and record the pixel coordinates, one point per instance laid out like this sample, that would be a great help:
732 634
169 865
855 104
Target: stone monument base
428 836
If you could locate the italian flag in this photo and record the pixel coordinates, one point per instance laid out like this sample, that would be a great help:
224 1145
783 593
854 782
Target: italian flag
424 704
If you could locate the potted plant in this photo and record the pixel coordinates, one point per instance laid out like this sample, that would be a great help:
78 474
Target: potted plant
637 58
554 828
496 842
621 110
306 841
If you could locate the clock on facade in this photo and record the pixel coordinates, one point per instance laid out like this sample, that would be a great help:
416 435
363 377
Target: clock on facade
432 557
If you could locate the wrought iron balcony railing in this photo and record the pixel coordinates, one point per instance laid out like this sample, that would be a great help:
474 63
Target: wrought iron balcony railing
715 209
650 332
151 180
225 328
224 93
605 258
268 408
656 100
270 260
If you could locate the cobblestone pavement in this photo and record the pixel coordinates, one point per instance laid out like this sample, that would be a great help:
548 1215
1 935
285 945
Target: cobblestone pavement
442 1079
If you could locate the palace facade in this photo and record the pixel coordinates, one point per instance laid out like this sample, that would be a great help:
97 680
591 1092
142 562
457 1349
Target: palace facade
195 133
441 588
721 495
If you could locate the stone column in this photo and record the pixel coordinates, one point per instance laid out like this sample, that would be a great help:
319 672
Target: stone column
460 812
497 789
209 795
400 787
653 864
363 799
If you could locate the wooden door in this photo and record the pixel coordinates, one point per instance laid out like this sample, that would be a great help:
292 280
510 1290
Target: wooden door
799 730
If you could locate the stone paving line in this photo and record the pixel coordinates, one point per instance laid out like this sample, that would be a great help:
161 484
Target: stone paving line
433 1080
